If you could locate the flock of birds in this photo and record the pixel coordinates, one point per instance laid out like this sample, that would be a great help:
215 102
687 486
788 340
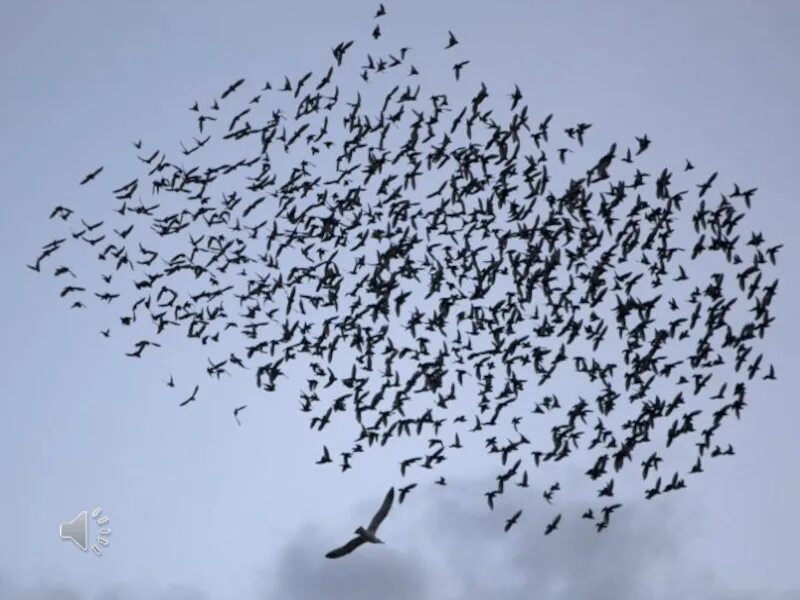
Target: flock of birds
420 253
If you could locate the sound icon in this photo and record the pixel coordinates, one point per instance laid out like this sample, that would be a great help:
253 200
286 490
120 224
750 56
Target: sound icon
77 531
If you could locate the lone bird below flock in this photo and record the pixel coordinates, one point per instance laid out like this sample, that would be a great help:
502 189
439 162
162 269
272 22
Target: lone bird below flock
368 534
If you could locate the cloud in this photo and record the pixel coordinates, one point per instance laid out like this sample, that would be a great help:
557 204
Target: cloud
457 550
10 590
303 573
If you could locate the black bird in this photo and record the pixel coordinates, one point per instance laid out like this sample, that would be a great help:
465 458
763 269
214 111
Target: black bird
381 11
452 41
63 271
231 88
553 525
236 412
91 176
607 490
516 96
704 187
524 482
643 142
458 66
70 289
61 211
326 456
192 397
405 490
512 521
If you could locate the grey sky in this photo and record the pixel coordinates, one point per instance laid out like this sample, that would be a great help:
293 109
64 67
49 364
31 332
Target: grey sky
221 512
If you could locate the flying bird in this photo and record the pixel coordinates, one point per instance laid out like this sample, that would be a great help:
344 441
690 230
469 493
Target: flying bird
368 534
553 525
512 521
404 491
191 398
326 456
452 41
457 68
91 176
232 88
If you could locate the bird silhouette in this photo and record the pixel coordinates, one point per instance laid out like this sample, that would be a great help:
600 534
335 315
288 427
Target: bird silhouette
451 41
91 176
191 398
368 534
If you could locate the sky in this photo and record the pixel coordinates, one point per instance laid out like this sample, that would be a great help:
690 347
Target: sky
201 508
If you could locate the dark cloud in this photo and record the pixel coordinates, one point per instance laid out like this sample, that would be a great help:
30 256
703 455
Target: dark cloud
457 550
10 590
303 573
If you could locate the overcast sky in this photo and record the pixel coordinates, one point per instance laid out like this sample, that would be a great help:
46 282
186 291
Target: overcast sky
202 509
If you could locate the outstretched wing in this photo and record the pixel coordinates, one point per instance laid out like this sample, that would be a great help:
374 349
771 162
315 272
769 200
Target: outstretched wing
382 511
347 548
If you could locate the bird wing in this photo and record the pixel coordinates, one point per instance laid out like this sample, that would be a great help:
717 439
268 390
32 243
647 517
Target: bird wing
382 511
347 548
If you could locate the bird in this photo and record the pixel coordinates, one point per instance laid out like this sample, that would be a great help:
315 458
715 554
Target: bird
236 412
704 187
404 491
61 211
452 41
326 456
457 68
553 525
512 521
91 176
192 397
524 482
232 88
644 143
366 535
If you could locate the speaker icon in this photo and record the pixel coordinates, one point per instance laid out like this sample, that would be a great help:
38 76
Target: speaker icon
77 531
